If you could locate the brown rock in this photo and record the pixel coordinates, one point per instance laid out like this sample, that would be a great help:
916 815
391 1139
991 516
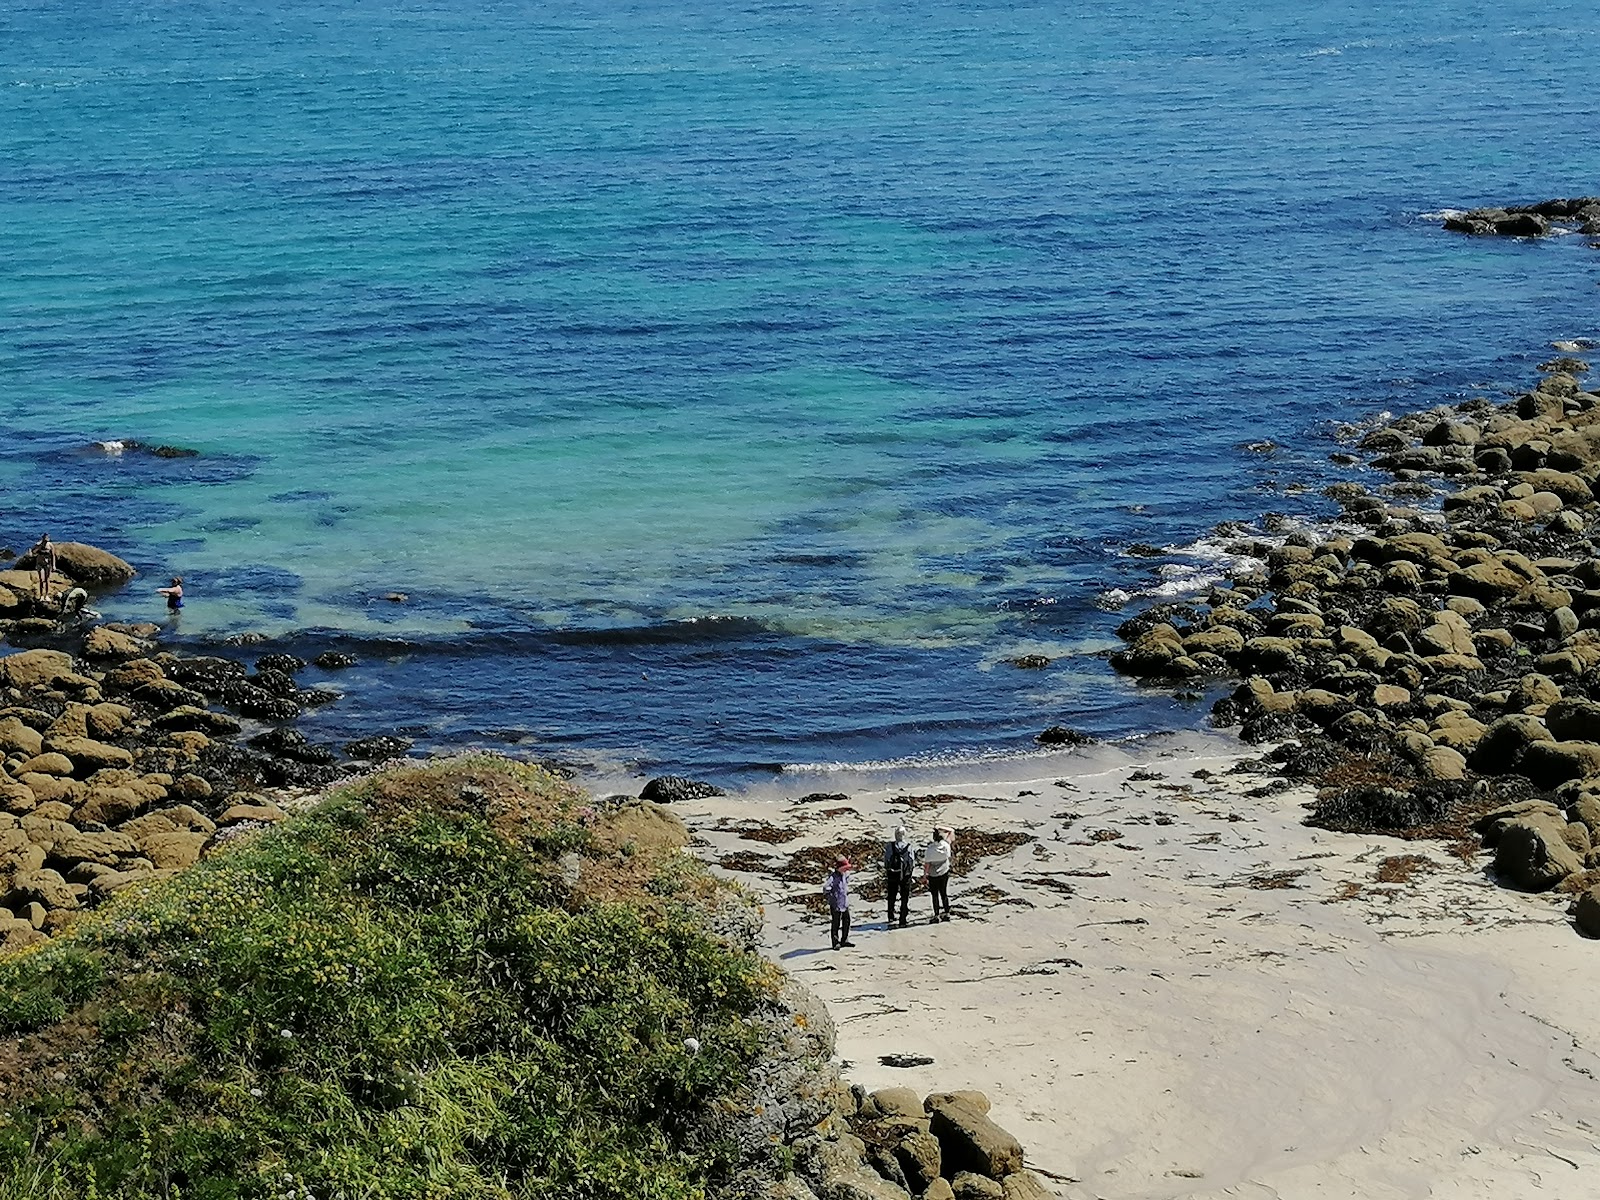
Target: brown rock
16 798
1388 695
18 854
898 1102
17 738
1532 853
107 849
968 1096
17 934
1025 1185
1550 764
969 1185
103 643
173 850
971 1141
919 1156
132 675
190 787
43 886
88 755
1505 741
184 817
1587 913
88 565
34 668
46 788
109 805
51 763
939 1189
1441 762
1487 581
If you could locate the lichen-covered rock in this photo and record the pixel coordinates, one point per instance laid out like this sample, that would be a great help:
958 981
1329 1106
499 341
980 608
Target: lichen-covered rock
1532 853
34 668
972 1142
88 565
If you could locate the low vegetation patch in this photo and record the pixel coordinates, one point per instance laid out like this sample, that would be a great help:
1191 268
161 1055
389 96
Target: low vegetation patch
405 994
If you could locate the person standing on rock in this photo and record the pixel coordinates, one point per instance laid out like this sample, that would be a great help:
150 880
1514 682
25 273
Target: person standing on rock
899 865
936 862
837 892
44 562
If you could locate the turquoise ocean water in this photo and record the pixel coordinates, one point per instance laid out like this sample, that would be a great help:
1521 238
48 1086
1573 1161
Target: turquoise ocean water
729 386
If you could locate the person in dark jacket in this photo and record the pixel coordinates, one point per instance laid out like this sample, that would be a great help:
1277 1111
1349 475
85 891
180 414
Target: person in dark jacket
899 865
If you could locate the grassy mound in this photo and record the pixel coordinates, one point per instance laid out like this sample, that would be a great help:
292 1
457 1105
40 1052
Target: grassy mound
401 994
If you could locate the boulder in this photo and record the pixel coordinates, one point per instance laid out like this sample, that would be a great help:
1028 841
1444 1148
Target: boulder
88 565
1449 634
42 886
103 643
1574 720
236 813
48 764
1503 744
970 1141
88 755
193 718
669 789
1533 854
897 1102
18 854
1441 762
1550 764
969 1185
34 668
17 738
920 1159
131 675
968 1096
939 1189
109 805
16 798
1025 1185
1487 581
108 849
1586 912
173 850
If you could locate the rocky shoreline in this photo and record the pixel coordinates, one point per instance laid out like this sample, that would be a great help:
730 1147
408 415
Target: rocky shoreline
124 762
1435 671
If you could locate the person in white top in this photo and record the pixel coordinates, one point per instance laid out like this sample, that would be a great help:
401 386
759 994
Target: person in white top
936 859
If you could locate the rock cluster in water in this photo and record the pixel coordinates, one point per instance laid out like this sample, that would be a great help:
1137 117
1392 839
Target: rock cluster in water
1530 220
1432 667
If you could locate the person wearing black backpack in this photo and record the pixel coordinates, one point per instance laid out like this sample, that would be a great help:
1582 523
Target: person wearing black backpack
899 864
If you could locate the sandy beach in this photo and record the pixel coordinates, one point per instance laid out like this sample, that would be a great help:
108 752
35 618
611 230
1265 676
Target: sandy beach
1175 988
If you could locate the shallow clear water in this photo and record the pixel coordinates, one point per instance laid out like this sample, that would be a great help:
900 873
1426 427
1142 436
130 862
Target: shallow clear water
735 386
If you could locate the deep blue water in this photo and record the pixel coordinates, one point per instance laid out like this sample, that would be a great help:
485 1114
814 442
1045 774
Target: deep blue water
735 385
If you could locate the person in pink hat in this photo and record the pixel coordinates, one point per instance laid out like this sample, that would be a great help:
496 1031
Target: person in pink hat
837 892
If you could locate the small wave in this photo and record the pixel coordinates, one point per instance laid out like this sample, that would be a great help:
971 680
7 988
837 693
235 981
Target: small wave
112 448
1442 214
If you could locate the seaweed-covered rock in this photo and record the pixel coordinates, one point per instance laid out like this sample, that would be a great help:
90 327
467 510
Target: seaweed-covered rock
378 749
669 789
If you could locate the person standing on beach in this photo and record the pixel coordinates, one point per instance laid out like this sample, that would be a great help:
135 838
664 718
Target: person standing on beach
44 562
837 891
173 593
899 865
936 862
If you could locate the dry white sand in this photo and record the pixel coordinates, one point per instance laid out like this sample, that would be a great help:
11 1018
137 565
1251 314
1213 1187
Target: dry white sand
1150 1024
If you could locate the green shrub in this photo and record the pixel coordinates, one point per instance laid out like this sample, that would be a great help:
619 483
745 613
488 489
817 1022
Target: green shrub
392 997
